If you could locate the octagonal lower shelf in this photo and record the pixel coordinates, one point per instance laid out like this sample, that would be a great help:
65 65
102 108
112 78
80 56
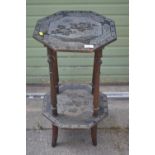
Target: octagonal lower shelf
75 107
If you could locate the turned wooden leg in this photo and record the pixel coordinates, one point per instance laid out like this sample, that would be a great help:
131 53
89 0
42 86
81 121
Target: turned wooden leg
94 135
93 82
56 73
96 80
54 135
52 59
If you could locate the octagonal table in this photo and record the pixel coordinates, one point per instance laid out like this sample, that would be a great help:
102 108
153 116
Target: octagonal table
75 106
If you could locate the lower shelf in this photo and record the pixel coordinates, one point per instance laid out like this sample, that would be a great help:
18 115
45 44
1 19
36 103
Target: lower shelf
75 107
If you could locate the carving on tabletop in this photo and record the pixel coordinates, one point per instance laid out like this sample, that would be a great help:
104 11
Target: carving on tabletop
71 30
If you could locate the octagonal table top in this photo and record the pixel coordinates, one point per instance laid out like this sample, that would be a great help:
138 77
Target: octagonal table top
75 31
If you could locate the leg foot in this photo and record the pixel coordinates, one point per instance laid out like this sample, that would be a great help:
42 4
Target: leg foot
54 135
94 135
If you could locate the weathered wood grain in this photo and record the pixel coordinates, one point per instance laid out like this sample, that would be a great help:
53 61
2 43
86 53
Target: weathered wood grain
75 31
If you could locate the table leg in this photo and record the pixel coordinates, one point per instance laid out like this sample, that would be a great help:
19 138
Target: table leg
96 80
54 135
93 75
53 79
57 73
94 135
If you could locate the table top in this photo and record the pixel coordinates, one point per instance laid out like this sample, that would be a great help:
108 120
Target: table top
75 31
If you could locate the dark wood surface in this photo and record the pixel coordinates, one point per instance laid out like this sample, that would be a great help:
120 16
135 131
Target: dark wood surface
96 80
94 135
54 135
57 73
52 60
75 31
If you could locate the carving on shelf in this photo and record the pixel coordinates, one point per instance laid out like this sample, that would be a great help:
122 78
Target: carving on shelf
75 107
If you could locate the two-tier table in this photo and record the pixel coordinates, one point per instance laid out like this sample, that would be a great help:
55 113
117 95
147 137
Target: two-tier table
75 106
